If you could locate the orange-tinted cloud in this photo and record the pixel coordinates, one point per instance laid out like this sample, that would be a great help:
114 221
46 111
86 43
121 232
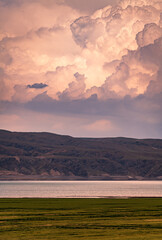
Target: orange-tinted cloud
104 52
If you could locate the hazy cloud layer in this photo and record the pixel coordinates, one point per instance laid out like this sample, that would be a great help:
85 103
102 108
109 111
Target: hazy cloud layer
96 65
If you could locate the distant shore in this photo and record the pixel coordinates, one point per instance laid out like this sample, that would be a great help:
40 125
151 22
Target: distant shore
74 178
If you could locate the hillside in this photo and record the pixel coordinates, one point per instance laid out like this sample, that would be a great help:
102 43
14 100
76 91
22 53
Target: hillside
50 156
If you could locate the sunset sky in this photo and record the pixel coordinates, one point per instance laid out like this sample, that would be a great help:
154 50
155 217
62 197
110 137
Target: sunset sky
86 68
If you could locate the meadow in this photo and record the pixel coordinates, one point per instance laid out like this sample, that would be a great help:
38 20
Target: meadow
95 219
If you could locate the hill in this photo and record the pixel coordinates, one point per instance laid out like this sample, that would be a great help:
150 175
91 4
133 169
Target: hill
51 156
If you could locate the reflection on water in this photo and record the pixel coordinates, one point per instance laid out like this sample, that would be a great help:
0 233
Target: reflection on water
76 189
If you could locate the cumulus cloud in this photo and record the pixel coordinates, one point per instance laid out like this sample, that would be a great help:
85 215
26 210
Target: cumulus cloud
149 34
76 88
99 42
72 57
86 30
5 58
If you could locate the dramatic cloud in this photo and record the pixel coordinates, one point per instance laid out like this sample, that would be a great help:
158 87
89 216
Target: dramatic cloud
95 64
149 34
76 89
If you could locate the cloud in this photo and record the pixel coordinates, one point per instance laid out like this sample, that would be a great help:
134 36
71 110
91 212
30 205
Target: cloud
76 88
3 87
59 80
99 126
5 58
89 6
6 90
37 85
132 117
99 61
42 14
86 30
99 42
149 34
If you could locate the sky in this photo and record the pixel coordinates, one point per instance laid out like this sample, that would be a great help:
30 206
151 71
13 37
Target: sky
81 68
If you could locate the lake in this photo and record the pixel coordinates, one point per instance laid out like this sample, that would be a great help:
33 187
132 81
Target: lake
79 189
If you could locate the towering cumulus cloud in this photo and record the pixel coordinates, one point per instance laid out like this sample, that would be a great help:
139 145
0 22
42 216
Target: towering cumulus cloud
85 71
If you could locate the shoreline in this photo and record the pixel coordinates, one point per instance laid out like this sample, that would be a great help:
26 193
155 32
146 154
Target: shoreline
75 178
80 198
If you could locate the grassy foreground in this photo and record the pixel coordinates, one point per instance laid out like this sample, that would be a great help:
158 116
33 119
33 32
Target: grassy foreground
96 219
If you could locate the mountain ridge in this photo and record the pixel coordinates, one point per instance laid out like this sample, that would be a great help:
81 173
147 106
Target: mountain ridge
49 156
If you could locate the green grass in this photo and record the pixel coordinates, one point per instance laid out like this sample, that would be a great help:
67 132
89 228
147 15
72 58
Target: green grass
95 219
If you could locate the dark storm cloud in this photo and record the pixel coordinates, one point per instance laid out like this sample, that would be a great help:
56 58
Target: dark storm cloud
111 107
139 117
37 85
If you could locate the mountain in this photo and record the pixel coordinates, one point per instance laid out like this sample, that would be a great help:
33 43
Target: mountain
50 156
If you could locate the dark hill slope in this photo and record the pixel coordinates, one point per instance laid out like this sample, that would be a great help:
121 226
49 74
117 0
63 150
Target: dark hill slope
51 156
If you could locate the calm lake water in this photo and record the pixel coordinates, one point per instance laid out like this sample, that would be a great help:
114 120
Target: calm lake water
79 189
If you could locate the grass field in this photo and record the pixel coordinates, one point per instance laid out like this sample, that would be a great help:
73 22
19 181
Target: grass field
95 219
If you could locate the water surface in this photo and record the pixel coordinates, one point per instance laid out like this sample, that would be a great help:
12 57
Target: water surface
80 189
